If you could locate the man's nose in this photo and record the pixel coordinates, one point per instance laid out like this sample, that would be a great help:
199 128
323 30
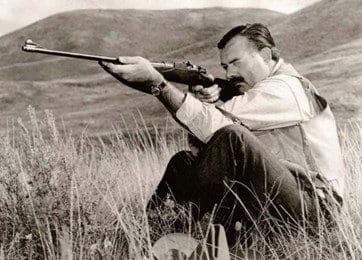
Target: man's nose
230 73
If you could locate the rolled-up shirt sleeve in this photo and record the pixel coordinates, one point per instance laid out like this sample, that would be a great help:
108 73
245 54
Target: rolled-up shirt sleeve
270 104
202 119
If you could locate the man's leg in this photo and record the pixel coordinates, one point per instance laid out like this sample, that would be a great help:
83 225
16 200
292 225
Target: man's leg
235 163
236 172
177 181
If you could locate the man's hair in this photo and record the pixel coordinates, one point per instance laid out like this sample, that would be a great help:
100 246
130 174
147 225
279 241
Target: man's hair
256 33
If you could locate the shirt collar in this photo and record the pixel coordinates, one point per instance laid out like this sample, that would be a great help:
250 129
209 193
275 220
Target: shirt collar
276 67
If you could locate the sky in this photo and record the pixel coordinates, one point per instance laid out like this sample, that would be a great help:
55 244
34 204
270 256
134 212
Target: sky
15 14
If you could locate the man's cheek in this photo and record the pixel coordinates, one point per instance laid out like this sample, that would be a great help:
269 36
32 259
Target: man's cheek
249 79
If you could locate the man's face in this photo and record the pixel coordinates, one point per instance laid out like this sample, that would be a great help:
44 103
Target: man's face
244 65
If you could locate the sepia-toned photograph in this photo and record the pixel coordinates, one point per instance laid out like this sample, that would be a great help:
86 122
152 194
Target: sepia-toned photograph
180 130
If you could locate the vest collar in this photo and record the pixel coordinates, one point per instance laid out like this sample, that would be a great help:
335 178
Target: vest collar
282 67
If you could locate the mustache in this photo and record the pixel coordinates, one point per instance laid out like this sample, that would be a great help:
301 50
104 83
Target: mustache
236 80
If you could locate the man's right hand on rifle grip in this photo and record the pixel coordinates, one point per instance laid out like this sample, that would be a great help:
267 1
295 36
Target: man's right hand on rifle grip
208 95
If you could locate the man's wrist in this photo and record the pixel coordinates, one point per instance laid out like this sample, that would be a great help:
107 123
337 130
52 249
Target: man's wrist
171 97
157 88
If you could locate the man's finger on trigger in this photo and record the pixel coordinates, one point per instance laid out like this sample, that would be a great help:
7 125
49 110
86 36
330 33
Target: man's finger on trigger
213 94
209 90
213 88
129 59
197 88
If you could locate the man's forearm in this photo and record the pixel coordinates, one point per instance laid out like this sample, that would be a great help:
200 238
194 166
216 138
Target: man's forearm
172 98
201 119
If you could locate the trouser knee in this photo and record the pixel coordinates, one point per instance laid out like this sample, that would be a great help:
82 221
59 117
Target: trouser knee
232 132
178 180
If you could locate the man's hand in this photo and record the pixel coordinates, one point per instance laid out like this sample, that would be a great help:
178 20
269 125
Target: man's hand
208 95
135 72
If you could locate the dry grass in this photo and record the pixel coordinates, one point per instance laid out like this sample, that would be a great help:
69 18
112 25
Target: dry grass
64 197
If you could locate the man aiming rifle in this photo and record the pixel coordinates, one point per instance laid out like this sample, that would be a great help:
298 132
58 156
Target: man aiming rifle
270 153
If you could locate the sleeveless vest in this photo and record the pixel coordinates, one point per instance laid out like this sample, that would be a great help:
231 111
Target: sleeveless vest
291 145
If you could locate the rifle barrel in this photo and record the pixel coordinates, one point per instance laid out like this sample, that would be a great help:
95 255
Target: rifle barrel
68 54
33 47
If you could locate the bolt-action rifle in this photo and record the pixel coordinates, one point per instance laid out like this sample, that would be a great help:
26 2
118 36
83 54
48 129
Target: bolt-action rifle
179 72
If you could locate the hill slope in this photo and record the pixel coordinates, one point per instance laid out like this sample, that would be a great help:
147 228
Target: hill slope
337 74
319 27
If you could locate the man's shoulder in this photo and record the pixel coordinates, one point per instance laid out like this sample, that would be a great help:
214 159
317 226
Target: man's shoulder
279 81
283 79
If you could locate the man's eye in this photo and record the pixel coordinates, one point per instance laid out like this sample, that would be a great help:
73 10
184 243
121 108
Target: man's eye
236 62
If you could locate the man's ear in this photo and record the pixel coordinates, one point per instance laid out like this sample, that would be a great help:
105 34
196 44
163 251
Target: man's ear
266 54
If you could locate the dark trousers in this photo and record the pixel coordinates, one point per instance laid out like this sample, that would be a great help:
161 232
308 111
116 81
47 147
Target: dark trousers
236 173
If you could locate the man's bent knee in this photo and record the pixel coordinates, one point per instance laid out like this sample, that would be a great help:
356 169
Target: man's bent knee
234 128
182 159
232 131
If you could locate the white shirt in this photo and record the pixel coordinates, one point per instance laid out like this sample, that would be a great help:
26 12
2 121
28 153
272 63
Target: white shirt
275 102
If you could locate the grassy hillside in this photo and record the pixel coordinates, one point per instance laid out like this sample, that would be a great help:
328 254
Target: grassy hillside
67 198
